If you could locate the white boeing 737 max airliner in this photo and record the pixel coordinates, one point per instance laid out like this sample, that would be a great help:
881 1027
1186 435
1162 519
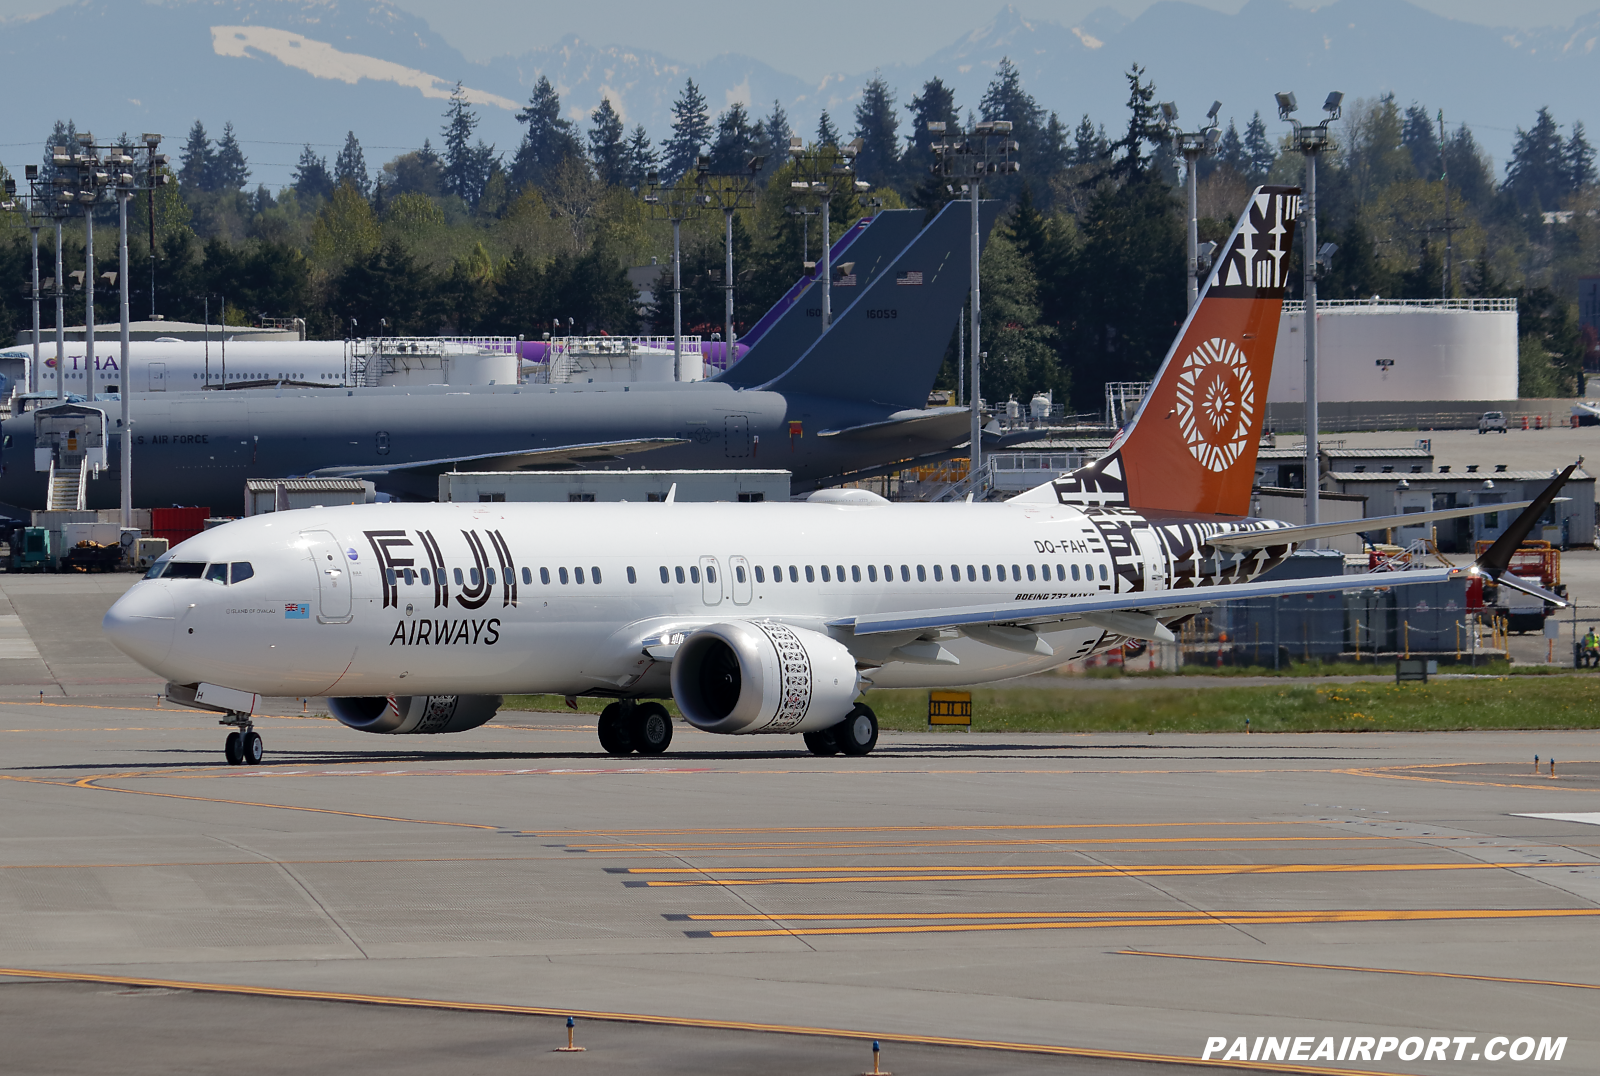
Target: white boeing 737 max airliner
758 618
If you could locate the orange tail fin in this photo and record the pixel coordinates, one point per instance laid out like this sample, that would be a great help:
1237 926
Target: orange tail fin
1191 449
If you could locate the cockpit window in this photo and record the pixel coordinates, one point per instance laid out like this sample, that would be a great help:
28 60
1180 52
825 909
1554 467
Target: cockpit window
158 567
179 569
217 573
242 571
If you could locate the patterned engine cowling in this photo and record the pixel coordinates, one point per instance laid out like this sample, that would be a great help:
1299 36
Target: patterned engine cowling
415 714
757 676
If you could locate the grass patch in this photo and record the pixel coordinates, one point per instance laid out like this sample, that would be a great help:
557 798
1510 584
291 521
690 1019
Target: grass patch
1571 702
1301 670
557 704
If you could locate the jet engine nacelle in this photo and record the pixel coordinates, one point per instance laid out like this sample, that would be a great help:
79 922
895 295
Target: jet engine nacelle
415 714
755 676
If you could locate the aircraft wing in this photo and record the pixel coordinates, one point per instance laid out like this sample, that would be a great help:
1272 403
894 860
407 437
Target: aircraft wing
1045 609
1247 540
938 423
517 460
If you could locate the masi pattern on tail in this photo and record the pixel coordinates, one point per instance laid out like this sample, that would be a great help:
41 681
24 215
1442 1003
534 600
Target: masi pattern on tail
1191 449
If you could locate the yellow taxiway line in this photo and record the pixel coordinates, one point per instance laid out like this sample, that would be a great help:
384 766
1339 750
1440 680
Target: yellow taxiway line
1369 971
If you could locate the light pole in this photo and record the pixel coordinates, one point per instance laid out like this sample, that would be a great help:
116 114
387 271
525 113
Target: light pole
676 203
830 170
1310 141
31 174
987 151
805 213
1193 145
730 191
90 179
154 161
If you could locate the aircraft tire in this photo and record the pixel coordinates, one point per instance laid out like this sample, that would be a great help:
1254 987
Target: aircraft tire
251 747
616 732
822 743
858 733
231 749
652 729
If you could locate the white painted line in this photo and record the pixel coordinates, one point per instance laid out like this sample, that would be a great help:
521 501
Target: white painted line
1588 818
15 642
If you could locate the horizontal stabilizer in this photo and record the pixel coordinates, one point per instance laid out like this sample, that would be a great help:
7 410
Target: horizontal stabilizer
1241 542
518 460
938 423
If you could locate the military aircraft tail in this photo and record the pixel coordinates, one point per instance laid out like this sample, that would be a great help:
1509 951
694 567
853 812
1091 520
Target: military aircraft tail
885 348
1191 448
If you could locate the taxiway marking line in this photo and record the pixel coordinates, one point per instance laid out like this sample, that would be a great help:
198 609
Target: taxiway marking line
1284 919
872 846
706 917
90 782
981 874
1450 781
687 1021
1353 967
1106 868
633 834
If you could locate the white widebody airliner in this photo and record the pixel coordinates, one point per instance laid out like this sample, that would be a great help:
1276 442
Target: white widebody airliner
757 618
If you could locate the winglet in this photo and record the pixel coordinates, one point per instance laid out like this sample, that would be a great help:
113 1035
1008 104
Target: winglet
1497 558
672 495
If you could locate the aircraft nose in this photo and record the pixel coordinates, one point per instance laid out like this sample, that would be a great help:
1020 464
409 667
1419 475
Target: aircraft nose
142 623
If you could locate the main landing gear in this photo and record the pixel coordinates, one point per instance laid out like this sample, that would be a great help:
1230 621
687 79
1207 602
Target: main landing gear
628 726
857 734
243 746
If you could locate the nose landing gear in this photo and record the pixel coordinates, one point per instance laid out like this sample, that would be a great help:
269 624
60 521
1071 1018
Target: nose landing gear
243 746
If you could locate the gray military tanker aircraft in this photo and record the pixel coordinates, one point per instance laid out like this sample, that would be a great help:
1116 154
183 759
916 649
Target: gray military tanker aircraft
853 401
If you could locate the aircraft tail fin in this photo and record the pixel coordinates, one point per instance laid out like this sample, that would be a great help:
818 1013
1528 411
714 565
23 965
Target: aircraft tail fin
885 348
1191 448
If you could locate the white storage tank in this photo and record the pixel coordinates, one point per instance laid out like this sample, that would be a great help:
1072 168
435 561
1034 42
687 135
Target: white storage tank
1390 349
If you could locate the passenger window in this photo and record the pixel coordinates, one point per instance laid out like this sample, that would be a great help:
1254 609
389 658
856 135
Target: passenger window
955 573
711 574
1102 573
1061 572
1016 573
594 573
544 576
872 573
972 576
577 576
855 573
694 573
391 576
777 573
458 577
1074 571
905 573
473 574
561 574
527 577
738 573
761 574
678 572
1030 573
664 577
938 573
488 573
632 578
811 577
217 573
242 571
426 582
922 574
985 573
826 578
888 573
794 573
839 570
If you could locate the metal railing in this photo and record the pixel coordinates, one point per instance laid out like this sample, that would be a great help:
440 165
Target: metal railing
1379 306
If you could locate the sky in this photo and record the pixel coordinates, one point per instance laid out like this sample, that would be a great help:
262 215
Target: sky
838 35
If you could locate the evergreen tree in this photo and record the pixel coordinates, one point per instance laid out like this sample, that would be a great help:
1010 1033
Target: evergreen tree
1259 150
1538 171
691 130
775 132
1005 99
1419 135
1089 143
877 125
466 166
641 156
1053 151
1229 154
1470 175
351 167
1579 159
607 148
62 134
1132 165
195 167
548 139
735 142
311 178
229 170
827 133
936 104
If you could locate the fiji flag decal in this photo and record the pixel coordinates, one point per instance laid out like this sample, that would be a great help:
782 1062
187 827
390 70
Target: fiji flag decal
297 611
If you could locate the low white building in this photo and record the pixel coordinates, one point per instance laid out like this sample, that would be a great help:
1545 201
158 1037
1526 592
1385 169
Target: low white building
1394 349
